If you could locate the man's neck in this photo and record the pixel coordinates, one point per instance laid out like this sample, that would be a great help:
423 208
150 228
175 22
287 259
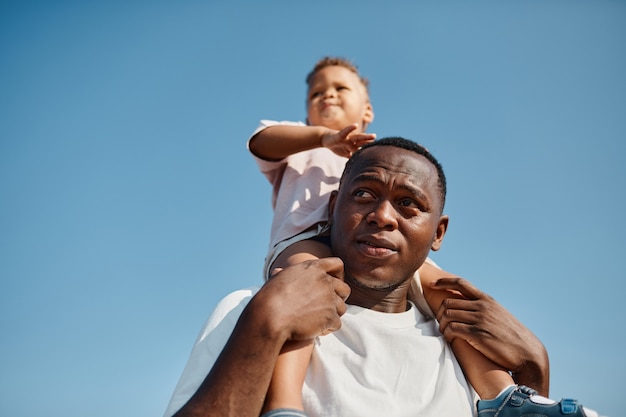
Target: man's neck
385 300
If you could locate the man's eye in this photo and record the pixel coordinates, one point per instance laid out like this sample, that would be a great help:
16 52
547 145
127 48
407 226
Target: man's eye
407 202
315 94
362 194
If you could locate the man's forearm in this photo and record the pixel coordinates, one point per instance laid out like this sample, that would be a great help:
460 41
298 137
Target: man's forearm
535 372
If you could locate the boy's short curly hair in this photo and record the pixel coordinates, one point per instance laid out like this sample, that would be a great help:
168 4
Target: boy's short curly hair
330 61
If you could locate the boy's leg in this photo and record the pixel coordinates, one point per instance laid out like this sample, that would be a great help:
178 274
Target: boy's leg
298 252
285 390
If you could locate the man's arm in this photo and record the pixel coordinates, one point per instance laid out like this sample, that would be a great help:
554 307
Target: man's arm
492 330
288 307
279 141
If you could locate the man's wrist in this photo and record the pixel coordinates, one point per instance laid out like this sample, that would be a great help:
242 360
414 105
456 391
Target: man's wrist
260 317
535 372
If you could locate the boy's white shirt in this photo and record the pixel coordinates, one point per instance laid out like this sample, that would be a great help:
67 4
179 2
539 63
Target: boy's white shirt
301 185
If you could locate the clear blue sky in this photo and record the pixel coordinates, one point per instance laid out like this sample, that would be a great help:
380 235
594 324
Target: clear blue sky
129 204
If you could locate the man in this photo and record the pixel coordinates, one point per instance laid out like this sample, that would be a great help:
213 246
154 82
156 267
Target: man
384 356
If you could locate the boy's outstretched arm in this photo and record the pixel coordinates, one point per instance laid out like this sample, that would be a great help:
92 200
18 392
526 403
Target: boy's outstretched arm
279 141
492 330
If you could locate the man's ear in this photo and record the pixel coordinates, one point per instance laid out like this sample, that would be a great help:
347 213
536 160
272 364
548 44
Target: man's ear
331 205
442 227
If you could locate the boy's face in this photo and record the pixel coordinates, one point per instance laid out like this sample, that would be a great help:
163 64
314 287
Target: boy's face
337 98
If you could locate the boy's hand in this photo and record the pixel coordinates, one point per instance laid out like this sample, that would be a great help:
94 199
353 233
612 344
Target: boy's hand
346 141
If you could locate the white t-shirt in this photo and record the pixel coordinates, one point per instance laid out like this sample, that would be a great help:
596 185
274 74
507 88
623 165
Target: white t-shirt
376 364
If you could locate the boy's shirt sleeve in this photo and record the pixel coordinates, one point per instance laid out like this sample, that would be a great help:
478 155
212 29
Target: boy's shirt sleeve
272 170
264 124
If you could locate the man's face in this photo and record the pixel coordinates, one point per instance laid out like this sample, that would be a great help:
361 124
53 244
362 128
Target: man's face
337 98
386 217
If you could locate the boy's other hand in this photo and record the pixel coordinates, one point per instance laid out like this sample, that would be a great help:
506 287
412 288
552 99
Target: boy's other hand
347 140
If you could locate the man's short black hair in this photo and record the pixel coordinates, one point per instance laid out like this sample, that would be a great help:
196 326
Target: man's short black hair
409 145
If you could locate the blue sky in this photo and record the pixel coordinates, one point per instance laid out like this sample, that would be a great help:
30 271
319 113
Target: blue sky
130 206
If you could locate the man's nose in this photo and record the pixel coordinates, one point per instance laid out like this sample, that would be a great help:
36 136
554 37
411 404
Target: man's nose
383 215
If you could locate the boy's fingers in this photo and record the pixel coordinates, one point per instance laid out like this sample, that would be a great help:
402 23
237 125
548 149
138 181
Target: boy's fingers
346 130
361 142
363 138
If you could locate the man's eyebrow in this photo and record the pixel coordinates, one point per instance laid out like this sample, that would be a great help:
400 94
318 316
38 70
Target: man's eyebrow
376 178
367 176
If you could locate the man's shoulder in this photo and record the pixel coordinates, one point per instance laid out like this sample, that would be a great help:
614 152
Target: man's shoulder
237 295
236 298
229 307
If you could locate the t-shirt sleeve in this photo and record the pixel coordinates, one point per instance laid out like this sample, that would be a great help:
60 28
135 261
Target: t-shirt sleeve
208 346
272 170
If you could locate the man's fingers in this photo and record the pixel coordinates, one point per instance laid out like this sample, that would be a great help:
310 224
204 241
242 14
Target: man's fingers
332 328
446 314
332 265
335 323
342 290
461 285
467 332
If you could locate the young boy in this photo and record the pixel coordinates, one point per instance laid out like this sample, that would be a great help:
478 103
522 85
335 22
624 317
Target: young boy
304 163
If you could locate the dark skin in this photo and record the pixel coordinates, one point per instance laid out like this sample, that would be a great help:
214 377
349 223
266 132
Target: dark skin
384 223
492 330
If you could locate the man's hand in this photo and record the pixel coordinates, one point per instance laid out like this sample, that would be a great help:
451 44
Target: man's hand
346 141
493 331
305 300
299 303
